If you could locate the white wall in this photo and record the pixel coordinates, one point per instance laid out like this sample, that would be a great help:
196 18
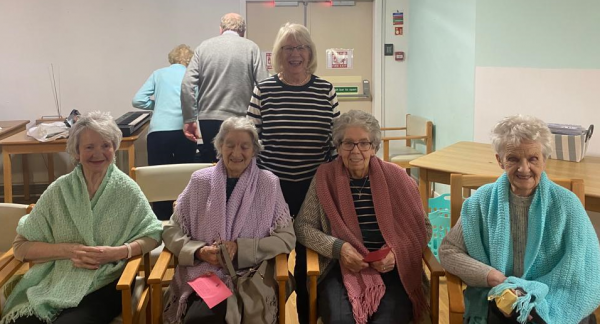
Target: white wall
567 96
102 51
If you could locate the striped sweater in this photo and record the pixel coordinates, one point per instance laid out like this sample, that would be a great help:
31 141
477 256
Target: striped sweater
294 123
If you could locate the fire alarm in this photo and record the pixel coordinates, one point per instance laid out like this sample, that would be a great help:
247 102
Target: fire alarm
399 56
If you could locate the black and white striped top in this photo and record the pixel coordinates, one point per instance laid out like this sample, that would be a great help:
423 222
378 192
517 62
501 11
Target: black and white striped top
294 123
365 210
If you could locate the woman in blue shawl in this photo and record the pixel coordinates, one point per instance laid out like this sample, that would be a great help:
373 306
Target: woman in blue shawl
525 233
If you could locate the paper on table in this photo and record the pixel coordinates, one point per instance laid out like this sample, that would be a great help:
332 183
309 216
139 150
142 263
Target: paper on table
377 255
211 289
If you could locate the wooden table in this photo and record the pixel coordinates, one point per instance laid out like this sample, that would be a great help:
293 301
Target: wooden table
20 143
9 128
478 158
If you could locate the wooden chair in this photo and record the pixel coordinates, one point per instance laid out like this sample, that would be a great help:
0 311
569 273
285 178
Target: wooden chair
433 265
9 218
159 278
458 184
134 305
418 130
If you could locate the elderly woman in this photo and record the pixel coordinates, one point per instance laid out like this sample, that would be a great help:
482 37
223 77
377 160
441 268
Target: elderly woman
294 111
79 235
524 231
234 202
166 142
355 205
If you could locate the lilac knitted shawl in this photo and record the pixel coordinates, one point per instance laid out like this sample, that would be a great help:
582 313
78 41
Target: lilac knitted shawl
255 208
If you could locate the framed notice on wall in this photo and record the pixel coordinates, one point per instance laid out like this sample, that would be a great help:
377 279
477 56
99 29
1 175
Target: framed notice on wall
340 58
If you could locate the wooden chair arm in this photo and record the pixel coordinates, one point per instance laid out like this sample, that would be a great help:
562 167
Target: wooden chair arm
9 265
456 304
129 273
281 267
312 263
160 267
409 137
434 266
392 128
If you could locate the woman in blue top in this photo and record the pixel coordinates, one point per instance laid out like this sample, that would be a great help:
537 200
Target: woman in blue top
166 142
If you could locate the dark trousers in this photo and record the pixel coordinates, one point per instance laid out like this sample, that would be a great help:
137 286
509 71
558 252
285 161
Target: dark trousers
99 307
209 129
168 147
334 306
294 193
198 312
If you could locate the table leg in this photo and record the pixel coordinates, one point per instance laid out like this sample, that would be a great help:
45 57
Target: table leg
7 177
131 158
26 191
424 188
50 168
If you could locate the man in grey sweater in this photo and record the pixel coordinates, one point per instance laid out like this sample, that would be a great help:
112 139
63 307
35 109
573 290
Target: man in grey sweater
219 81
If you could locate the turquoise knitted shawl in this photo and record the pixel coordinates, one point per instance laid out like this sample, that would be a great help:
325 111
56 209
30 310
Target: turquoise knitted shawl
562 255
117 213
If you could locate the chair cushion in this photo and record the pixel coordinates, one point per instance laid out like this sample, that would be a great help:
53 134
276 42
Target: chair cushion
9 218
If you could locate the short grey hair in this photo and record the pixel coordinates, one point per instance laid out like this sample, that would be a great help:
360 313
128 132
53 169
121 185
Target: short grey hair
516 129
300 34
357 118
98 121
237 124
233 22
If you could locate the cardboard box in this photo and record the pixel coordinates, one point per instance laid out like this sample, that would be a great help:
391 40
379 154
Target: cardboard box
571 147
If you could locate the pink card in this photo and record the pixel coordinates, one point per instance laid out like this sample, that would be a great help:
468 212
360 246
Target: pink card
377 255
211 289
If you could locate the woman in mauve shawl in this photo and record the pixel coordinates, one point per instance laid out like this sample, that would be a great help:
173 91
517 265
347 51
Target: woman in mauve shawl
235 203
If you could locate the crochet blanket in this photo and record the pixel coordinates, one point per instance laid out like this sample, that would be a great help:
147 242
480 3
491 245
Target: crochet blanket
562 256
401 218
255 208
117 213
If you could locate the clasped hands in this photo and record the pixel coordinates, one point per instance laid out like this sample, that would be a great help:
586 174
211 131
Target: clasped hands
352 260
210 253
92 257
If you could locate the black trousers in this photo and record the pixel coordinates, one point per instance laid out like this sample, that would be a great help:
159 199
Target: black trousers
168 147
209 129
198 312
294 193
99 307
334 306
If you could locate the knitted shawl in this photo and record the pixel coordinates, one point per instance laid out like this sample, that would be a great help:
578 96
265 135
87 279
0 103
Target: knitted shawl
400 216
562 256
255 208
117 213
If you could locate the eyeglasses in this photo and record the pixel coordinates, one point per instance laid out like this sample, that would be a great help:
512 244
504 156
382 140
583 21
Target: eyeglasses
290 49
349 146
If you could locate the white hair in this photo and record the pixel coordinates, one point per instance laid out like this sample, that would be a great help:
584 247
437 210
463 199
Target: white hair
516 129
300 34
98 121
357 118
237 124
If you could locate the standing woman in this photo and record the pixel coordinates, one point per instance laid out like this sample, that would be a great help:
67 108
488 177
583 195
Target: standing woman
166 142
294 112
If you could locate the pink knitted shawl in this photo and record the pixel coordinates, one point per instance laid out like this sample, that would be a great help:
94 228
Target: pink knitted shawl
400 216
255 208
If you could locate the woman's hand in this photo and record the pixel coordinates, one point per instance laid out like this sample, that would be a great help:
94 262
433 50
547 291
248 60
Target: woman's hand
209 254
386 265
495 277
231 248
92 257
351 259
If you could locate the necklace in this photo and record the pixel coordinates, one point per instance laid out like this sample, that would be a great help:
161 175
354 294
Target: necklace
362 187
303 82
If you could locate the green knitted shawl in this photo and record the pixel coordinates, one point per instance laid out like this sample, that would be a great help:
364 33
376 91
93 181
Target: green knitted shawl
117 213
562 256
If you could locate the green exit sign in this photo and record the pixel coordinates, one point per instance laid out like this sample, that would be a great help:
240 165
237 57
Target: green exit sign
346 89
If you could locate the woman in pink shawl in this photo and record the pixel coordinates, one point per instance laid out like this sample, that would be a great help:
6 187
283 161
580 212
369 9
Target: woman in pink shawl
234 202
358 204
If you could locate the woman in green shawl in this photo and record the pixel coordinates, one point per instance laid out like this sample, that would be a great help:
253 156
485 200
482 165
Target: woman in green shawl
80 234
